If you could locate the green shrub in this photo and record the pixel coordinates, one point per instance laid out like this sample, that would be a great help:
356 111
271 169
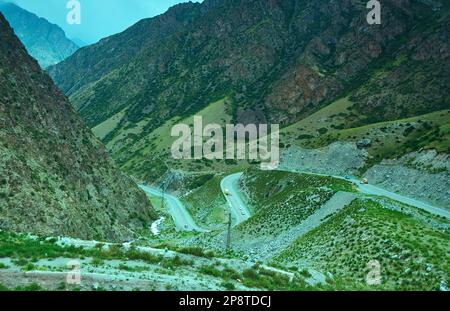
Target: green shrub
250 274
196 251
210 270
29 267
29 288
97 262
61 286
228 285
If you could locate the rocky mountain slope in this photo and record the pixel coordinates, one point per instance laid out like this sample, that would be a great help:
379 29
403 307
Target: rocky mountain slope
266 61
55 176
45 41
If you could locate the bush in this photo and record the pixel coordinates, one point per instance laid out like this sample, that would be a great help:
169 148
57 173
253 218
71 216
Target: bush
29 288
210 270
228 285
196 251
305 136
29 267
322 130
250 274
125 267
97 262
61 286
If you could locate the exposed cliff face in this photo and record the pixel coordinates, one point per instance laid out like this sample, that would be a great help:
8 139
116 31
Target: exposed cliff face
55 176
46 42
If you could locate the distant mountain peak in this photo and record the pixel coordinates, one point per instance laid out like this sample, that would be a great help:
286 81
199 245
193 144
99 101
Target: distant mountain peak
45 41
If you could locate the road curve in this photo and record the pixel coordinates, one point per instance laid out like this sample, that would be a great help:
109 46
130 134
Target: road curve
239 210
180 215
374 190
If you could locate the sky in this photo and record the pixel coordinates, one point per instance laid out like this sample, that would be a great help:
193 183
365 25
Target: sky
99 18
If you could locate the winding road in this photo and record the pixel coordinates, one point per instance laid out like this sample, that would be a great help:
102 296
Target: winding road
230 189
377 191
240 212
374 190
180 215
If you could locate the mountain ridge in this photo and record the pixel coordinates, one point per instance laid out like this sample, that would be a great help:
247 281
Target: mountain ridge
44 41
274 61
57 178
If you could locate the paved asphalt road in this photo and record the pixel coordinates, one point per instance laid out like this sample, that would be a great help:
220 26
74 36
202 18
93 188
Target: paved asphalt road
180 215
239 211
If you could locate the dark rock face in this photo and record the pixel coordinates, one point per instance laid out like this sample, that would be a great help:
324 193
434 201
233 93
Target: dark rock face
55 176
46 42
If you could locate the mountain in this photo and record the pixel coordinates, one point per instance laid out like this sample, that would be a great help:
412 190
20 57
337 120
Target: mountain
359 200
276 61
79 42
45 41
55 176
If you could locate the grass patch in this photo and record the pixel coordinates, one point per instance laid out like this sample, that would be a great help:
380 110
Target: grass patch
281 200
196 251
412 252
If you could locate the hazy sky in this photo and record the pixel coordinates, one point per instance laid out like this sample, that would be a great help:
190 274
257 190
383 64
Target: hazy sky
99 18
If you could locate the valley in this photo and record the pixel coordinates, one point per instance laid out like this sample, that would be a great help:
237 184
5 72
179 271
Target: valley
164 266
92 171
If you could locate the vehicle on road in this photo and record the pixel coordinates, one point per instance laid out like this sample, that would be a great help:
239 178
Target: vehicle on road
227 192
364 181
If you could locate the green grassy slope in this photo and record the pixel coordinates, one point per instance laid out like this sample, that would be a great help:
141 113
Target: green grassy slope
207 203
412 250
282 200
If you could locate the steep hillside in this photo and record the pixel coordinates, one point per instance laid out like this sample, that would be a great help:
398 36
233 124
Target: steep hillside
325 229
55 176
277 61
411 247
110 54
45 41
281 203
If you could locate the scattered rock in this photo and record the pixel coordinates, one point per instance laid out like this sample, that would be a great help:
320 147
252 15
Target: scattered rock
364 143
